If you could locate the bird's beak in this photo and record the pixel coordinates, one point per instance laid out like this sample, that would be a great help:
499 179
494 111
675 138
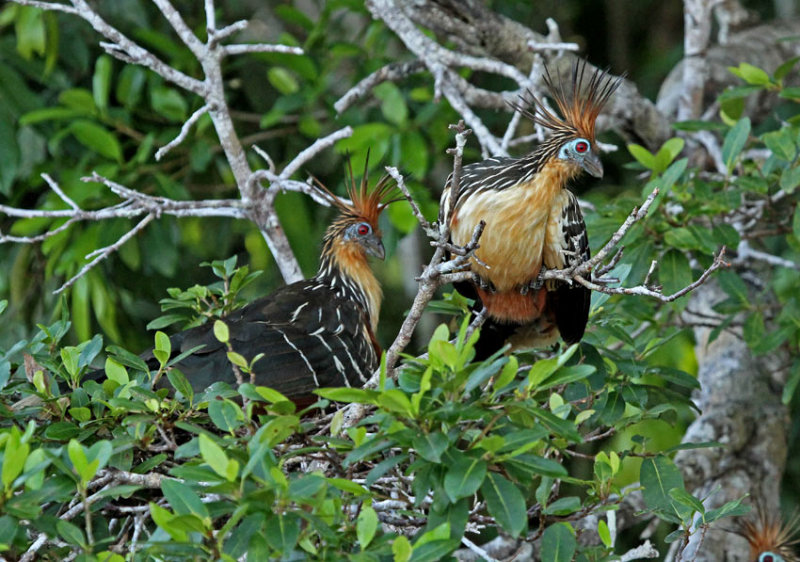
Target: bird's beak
374 247
591 163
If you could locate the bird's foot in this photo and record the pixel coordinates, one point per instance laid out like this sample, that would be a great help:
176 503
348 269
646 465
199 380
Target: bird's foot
484 284
534 284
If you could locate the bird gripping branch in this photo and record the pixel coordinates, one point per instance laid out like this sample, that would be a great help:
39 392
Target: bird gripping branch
533 222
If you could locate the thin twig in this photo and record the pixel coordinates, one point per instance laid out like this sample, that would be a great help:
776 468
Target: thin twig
184 131
401 185
261 48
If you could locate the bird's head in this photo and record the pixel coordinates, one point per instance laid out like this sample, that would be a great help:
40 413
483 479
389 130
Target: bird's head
573 127
365 236
355 233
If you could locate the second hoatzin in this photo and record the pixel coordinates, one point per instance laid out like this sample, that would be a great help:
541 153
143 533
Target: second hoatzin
312 333
533 222
769 537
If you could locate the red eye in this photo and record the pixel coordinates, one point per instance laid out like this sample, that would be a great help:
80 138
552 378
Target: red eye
581 146
363 229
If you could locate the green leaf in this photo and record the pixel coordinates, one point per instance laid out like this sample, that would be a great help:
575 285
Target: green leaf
658 475
226 414
129 85
71 533
51 114
101 81
401 549
77 98
348 395
464 477
366 526
163 348
784 69
751 74
393 103
781 143
270 395
81 414
168 103
216 458
674 272
643 156
680 238
415 156
604 533
30 31
282 80
14 457
181 384
163 518
395 400
96 138
790 179
116 372
78 457
375 136
791 384
430 446
735 141
558 543
221 331
348 486
563 506
733 508
790 93
182 499
685 498
505 503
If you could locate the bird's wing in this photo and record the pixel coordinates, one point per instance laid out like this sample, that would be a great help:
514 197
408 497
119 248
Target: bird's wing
308 338
570 303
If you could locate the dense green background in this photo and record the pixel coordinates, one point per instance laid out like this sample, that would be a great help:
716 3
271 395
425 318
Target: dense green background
67 109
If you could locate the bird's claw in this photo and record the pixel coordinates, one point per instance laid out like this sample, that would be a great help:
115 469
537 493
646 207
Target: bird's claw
484 284
535 283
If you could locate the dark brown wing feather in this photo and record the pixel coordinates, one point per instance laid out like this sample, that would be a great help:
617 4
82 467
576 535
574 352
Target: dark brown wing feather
570 303
310 338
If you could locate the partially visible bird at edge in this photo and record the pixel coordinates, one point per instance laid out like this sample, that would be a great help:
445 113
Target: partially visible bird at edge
318 332
769 537
533 222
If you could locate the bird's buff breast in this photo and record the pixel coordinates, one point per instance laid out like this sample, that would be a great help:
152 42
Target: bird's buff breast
515 234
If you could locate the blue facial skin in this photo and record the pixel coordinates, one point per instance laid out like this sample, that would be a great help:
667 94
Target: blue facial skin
362 233
770 557
580 151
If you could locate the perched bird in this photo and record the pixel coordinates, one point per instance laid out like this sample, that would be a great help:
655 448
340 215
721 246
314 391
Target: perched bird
770 539
533 222
313 333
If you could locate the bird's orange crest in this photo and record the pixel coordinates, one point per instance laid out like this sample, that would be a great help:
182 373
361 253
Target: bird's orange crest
365 204
579 105
769 533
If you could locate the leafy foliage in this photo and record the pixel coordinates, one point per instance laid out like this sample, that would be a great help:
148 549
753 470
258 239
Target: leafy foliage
527 444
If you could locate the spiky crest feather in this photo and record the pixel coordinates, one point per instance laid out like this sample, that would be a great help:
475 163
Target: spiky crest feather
365 205
768 533
579 105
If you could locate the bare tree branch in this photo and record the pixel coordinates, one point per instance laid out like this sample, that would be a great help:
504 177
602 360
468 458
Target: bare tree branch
258 204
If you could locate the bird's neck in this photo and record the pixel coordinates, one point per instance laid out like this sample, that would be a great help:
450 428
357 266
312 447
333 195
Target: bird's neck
344 268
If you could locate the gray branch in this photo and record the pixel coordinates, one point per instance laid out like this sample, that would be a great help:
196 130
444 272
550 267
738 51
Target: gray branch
258 203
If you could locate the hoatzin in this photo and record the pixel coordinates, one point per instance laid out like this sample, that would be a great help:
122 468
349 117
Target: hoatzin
770 538
533 222
313 333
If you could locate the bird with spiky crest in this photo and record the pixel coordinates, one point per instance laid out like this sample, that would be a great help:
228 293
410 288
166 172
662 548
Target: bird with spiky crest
318 332
533 222
770 538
